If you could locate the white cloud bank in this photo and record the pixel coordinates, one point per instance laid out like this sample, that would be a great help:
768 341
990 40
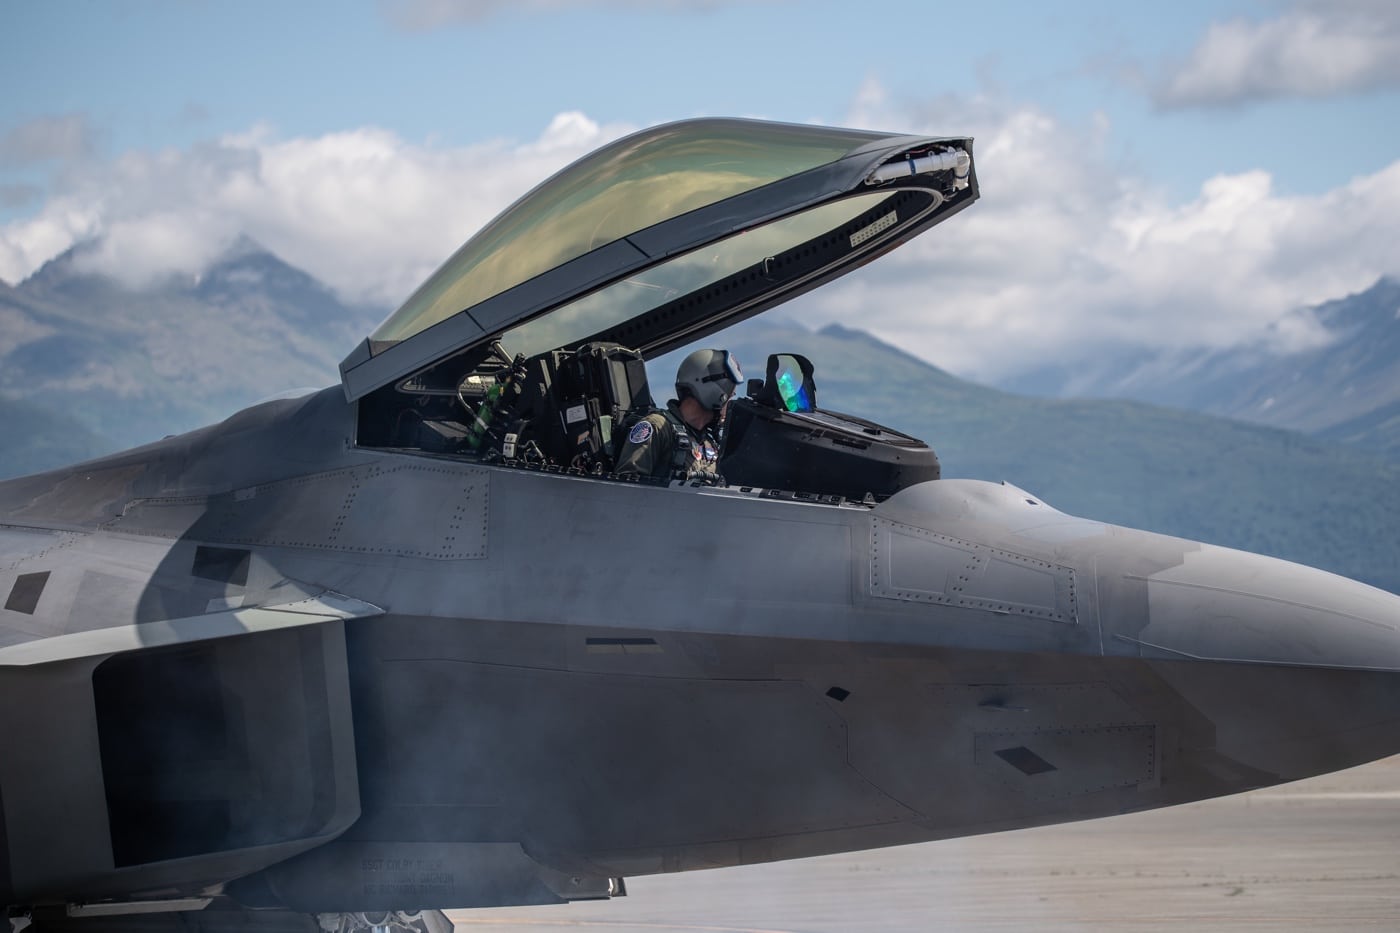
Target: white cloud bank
1316 50
1064 257
364 211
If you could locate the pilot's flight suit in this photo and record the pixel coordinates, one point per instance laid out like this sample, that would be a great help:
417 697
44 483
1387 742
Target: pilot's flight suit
662 444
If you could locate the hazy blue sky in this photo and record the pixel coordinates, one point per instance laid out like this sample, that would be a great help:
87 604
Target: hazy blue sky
1152 173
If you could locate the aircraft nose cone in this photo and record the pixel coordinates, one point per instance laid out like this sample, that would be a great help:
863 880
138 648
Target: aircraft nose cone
1293 670
1228 605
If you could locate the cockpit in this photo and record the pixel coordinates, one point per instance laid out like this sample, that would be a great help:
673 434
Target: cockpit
528 348
569 411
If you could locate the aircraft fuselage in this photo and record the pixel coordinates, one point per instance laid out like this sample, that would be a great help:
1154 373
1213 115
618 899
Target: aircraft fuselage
397 680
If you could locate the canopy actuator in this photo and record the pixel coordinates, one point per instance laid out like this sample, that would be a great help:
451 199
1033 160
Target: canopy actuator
955 159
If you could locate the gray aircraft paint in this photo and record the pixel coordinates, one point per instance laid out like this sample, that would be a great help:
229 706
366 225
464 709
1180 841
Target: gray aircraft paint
270 669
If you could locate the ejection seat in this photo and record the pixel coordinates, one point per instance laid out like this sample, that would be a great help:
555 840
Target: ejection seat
575 404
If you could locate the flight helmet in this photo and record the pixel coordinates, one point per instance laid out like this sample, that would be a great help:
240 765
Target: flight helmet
710 377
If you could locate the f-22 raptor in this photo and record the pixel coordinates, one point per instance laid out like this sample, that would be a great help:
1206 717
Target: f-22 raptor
412 643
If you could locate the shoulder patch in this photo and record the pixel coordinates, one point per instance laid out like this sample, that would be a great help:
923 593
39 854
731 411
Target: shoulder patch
641 432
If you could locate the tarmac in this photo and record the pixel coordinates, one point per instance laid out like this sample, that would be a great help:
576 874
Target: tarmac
1322 854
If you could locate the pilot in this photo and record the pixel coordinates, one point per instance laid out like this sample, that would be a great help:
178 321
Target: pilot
682 440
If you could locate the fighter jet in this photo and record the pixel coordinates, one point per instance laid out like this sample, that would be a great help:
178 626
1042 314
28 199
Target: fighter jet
411 643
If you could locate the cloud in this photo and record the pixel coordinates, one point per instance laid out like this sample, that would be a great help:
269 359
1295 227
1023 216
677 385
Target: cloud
1066 257
27 244
427 15
362 210
1315 50
45 139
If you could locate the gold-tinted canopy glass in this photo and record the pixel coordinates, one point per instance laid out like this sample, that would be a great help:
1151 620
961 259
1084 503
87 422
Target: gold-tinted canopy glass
625 187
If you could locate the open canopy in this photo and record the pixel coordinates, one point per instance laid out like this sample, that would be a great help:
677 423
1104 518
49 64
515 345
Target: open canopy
670 234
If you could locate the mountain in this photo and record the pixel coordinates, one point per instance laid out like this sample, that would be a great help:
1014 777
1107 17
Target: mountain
1347 389
36 439
116 366
137 364
1377 430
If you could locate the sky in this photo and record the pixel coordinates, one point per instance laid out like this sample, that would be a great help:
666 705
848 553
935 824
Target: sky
1153 175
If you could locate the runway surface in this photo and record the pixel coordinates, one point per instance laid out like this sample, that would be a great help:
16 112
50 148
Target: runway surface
1322 854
